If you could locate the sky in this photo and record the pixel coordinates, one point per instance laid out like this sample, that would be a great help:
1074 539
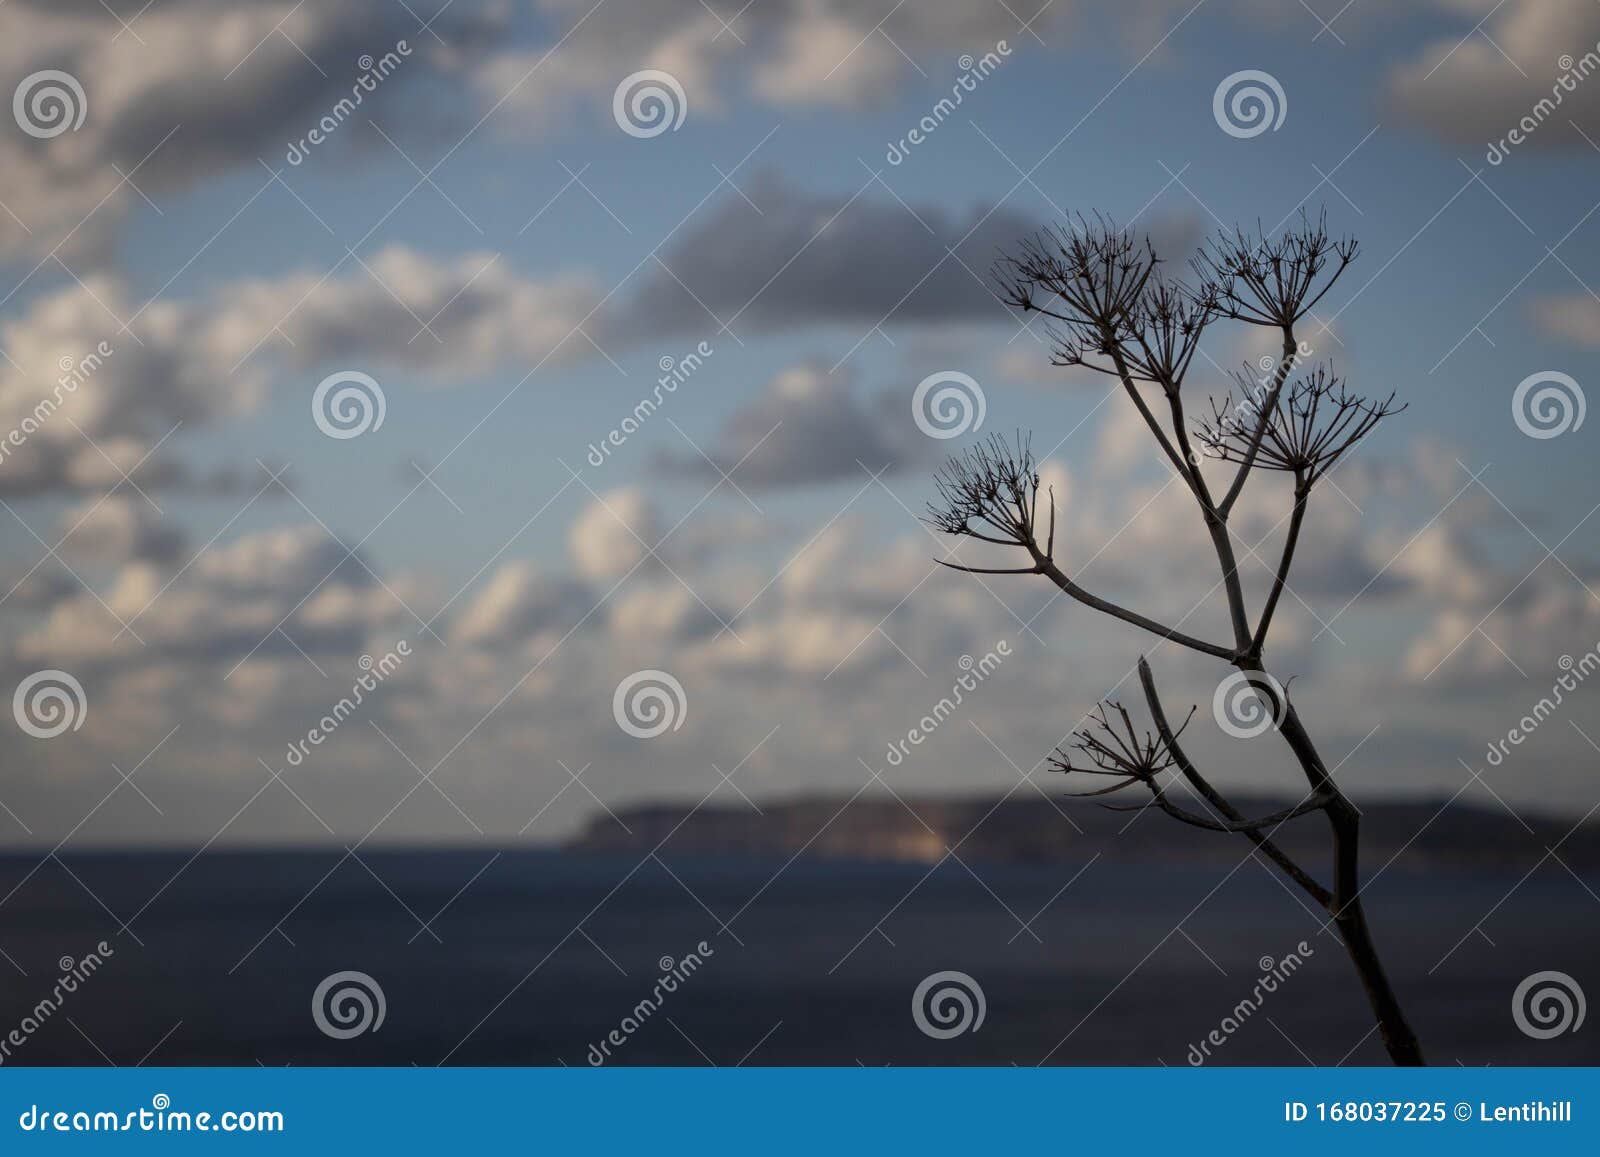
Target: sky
354 389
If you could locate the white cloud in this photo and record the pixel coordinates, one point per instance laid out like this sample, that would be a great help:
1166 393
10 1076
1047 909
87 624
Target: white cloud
858 634
455 316
1549 617
825 56
613 533
1572 318
517 601
789 53
206 359
1472 90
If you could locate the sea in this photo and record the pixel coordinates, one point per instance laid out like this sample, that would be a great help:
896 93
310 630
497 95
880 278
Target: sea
518 957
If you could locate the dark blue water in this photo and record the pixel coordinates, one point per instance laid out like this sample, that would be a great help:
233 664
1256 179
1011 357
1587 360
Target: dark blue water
540 955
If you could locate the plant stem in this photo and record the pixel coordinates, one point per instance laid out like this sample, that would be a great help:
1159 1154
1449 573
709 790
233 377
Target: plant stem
1398 1036
1345 819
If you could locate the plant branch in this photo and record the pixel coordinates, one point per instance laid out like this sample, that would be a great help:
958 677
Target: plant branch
1057 576
1248 827
995 485
1302 494
1263 419
1202 785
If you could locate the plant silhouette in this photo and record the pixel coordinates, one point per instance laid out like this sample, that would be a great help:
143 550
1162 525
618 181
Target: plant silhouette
1111 309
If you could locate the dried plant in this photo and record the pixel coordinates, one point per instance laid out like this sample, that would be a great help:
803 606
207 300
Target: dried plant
1273 281
1313 425
1110 309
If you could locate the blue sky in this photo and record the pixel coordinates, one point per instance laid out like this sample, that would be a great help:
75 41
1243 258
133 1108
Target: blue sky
566 257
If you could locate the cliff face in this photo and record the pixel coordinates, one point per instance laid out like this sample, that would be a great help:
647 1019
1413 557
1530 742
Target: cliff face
1018 829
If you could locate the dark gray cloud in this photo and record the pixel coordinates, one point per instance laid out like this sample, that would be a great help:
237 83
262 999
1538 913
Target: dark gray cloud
805 427
120 528
190 92
810 258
